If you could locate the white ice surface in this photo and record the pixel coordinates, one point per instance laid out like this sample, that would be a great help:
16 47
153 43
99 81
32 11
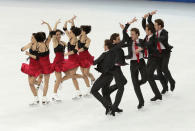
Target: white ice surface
18 20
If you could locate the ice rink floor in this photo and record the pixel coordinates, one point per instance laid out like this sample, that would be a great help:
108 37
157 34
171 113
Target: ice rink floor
19 19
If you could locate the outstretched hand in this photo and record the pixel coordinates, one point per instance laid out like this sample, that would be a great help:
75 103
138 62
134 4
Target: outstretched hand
153 12
133 20
146 15
58 21
72 19
122 26
43 22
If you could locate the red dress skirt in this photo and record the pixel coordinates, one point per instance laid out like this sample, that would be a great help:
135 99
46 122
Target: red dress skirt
71 63
32 69
85 59
58 62
45 64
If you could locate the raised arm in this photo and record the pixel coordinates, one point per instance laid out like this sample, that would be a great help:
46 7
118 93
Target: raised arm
126 41
49 36
45 23
144 21
125 28
65 29
150 18
56 25
125 35
72 25
54 40
72 21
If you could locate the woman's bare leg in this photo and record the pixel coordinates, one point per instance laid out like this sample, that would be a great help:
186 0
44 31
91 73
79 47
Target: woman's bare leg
31 81
40 78
85 77
58 81
46 84
74 79
71 75
90 75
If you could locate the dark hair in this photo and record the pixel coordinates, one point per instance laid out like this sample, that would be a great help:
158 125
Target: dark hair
86 28
34 34
61 32
43 35
160 22
150 28
108 43
114 36
40 36
76 30
136 30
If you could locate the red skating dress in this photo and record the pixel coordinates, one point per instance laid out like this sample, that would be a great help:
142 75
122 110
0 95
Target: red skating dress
33 68
85 58
59 58
44 61
72 61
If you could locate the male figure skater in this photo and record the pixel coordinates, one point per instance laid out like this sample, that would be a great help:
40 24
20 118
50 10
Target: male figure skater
165 51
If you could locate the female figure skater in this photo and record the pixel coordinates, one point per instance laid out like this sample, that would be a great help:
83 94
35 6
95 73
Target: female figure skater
33 68
43 54
59 48
85 58
72 63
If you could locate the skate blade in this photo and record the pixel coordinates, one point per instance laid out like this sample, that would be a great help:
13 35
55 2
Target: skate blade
45 103
87 96
76 98
34 105
56 101
92 82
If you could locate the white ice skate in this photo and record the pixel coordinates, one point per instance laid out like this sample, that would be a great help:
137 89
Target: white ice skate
87 93
56 98
92 82
44 100
35 101
78 95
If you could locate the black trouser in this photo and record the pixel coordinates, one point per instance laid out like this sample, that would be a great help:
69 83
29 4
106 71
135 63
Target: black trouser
120 81
163 68
106 89
135 68
152 65
102 82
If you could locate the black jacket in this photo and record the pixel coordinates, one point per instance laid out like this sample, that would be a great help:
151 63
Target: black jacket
119 55
163 35
105 62
151 44
129 42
